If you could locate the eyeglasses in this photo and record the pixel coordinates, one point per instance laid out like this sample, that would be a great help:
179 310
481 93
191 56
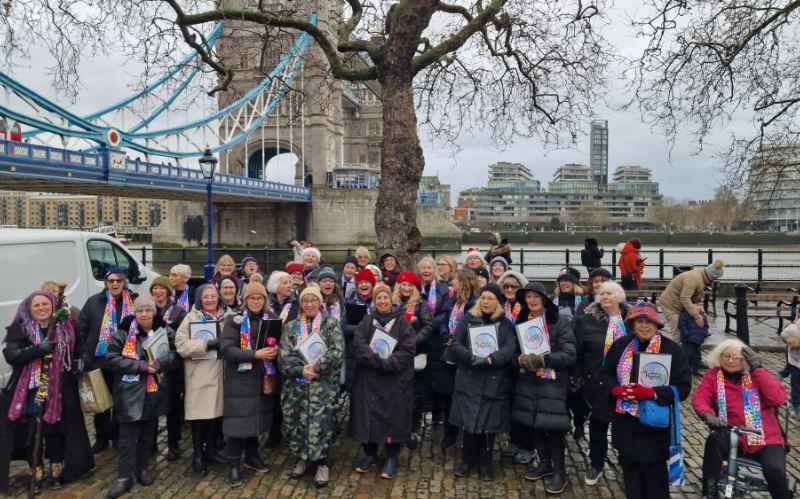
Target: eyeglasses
114 281
510 286
727 356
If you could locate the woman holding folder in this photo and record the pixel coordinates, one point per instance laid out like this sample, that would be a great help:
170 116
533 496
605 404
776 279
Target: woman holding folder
383 384
483 347
311 357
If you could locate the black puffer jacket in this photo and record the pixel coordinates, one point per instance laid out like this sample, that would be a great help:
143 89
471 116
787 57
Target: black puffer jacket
482 394
422 325
131 400
590 337
539 403
247 411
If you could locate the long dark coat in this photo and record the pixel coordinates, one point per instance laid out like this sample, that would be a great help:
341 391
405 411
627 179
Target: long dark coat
422 325
590 337
247 411
349 332
88 327
131 400
382 392
78 457
539 403
443 375
634 441
482 395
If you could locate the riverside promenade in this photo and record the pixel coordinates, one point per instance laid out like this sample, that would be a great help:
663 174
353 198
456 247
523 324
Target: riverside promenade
426 473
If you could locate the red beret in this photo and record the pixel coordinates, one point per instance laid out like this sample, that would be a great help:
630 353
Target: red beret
366 275
293 267
410 277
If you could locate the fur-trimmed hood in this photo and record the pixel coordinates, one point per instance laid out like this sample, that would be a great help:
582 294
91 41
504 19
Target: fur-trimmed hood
523 281
596 312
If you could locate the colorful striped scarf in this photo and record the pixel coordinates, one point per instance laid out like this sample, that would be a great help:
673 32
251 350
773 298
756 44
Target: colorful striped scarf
752 407
182 300
245 338
625 367
512 310
455 318
616 330
110 321
432 297
129 351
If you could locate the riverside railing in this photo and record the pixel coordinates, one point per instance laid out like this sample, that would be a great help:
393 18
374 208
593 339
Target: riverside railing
748 265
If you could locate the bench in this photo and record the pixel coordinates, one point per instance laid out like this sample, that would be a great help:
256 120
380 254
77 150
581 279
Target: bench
761 306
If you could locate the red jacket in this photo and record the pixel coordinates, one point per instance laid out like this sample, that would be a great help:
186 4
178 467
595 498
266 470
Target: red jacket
771 393
630 263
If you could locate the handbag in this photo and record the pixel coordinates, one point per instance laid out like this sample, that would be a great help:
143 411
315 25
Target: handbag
675 461
94 393
654 415
420 361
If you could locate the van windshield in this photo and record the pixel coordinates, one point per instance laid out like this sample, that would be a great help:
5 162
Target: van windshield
104 255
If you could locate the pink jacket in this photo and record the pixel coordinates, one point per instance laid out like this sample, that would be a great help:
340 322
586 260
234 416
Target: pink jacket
771 392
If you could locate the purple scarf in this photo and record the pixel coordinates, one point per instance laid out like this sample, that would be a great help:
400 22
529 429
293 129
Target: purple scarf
63 334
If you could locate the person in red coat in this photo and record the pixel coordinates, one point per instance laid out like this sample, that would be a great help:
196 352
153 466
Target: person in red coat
631 265
738 391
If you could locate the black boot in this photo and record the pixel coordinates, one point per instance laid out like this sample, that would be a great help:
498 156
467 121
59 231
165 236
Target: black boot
486 472
255 463
145 477
542 470
121 487
463 469
199 465
173 453
557 482
235 474
450 436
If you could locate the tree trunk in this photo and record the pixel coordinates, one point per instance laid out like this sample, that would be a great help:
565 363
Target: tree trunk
402 163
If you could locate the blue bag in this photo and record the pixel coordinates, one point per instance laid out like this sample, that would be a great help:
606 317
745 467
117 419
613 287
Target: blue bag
675 461
654 415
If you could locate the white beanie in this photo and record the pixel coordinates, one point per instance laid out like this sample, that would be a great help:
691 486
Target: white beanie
314 251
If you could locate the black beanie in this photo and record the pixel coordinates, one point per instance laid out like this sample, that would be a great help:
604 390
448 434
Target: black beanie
495 290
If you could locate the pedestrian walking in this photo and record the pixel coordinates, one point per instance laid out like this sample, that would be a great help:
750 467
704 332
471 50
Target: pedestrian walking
498 246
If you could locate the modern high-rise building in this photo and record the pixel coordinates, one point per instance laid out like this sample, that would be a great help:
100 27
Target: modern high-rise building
511 175
598 152
573 178
634 179
774 187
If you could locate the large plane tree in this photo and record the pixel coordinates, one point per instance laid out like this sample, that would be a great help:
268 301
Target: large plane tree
507 69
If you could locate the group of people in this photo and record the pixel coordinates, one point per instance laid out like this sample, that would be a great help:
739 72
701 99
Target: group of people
246 356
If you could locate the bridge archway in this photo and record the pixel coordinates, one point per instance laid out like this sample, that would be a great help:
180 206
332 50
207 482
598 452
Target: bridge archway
278 164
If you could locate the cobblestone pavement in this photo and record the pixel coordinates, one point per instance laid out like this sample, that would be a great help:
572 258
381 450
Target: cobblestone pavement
424 473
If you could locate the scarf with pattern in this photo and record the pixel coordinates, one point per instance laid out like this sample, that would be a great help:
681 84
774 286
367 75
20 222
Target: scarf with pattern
432 297
334 310
624 369
129 352
455 318
752 407
512 311
547 372
616 330
245 338
110 321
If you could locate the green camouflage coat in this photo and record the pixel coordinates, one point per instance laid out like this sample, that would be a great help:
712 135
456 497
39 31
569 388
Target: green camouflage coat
310 438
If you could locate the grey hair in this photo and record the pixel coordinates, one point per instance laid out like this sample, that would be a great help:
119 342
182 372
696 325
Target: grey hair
275 279
615 289
182 269
713 357
363 250
429 260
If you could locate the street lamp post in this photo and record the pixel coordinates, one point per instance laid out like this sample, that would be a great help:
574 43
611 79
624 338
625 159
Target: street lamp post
208 163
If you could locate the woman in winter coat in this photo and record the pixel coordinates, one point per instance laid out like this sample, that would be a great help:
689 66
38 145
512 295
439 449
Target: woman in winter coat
735 386
510 282
631 265
540 392
446 267
595 331
591 255
311 386
141 394
229 295
482 393
435 293
332 300
464 293
226 267
389 269
408 300
365 283
249 395
382 395
202 367
41 341
643 450
568 294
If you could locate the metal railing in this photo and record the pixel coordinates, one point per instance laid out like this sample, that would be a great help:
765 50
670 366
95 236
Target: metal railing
749 265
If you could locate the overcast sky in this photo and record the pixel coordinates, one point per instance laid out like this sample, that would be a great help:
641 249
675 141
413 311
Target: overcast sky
684 175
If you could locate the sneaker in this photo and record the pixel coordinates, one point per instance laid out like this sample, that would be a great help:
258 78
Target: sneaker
593 476
535 473
299 469
364 464
523 457
322 476
256 464
555 483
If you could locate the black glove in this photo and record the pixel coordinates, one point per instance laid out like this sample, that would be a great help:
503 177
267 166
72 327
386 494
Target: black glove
212 344
479 361
45 348
711 420
751 357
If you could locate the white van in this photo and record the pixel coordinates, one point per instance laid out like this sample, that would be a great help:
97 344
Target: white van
28 257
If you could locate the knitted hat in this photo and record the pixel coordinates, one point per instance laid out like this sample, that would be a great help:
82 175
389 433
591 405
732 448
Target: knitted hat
512 274
144 302
644 311
293 267
313 290
482 272
314 251
715 270
600 272
326 273
499 259
366 275
385 256
375 271
163 282
410 277
381 288
248 259
568 274
475 252
496 291
253 289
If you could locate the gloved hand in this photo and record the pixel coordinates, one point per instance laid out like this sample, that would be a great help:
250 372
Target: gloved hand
751 357
618 391
711 420
212 344
45 348
479 361
641 392
531 362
